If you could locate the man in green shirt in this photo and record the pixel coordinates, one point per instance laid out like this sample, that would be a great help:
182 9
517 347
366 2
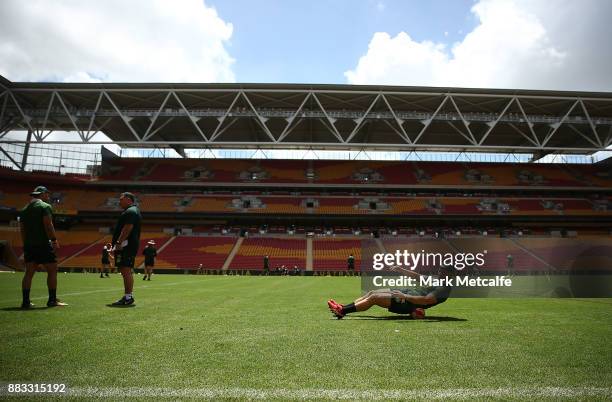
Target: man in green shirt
39 245
126 240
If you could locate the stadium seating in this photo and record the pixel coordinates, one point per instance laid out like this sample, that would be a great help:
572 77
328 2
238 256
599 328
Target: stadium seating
346 172
188 252
13 236
71 242
282 251
569 254
331 254
497 251
90 255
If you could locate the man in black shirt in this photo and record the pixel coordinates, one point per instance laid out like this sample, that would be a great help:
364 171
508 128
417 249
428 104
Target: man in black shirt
105 260
150 252
126 240
350 262
406 301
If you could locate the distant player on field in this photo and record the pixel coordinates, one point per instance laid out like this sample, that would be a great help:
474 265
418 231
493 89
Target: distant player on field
126 239
150 252
350 264
106 253
39 245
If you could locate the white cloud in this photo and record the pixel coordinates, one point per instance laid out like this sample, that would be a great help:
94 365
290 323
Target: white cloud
114 41
517 44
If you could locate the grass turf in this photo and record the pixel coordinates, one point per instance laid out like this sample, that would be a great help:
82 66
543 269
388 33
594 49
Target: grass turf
276 332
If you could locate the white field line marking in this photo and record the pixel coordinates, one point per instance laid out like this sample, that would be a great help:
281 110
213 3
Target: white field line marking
117 289
347 394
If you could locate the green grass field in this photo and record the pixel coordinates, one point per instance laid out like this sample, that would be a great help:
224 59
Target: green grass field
232 337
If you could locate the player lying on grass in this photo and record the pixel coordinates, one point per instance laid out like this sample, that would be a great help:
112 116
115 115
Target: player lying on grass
405 301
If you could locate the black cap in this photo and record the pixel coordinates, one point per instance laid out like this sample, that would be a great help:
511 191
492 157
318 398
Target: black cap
129 195
39 190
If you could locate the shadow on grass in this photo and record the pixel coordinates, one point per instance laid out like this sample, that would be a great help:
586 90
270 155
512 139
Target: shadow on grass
121 306
405 318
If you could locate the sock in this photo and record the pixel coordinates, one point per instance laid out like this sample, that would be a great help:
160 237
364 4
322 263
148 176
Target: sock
349 308
26 295
52 294
128 296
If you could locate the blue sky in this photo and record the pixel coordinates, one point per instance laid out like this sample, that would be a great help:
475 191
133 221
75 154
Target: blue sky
317 41
514 44
524 44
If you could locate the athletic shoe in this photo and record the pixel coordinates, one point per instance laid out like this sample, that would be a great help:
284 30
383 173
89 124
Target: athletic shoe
149 279
144 278
106 275
26 306
335 308
56 303
123 302
418 314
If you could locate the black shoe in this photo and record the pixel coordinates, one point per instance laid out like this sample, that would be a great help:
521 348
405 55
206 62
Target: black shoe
106 275
149 279
56 303
123 302
101 276
144 278
27 305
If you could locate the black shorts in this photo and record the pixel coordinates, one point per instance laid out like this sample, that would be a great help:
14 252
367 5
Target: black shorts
401 306
105 262
149 263
124 259
39 254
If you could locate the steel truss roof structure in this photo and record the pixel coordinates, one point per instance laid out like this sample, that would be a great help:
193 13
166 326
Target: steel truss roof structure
292 116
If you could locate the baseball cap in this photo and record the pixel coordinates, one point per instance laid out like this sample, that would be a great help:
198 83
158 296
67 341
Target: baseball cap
39 190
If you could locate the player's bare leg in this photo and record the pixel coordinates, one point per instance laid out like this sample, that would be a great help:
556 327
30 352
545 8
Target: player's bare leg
26 284
52 285
128 279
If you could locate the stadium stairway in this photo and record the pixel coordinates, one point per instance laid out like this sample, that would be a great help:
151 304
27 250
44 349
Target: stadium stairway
232 254
309 254
159 250
81 251
380 245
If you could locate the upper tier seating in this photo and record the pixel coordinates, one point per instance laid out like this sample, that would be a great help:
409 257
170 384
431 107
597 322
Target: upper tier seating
355 172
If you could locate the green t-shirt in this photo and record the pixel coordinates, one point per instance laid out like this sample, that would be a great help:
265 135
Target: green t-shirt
31 217
130 216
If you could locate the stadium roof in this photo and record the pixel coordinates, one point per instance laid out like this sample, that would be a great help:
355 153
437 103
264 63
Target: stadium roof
296 116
